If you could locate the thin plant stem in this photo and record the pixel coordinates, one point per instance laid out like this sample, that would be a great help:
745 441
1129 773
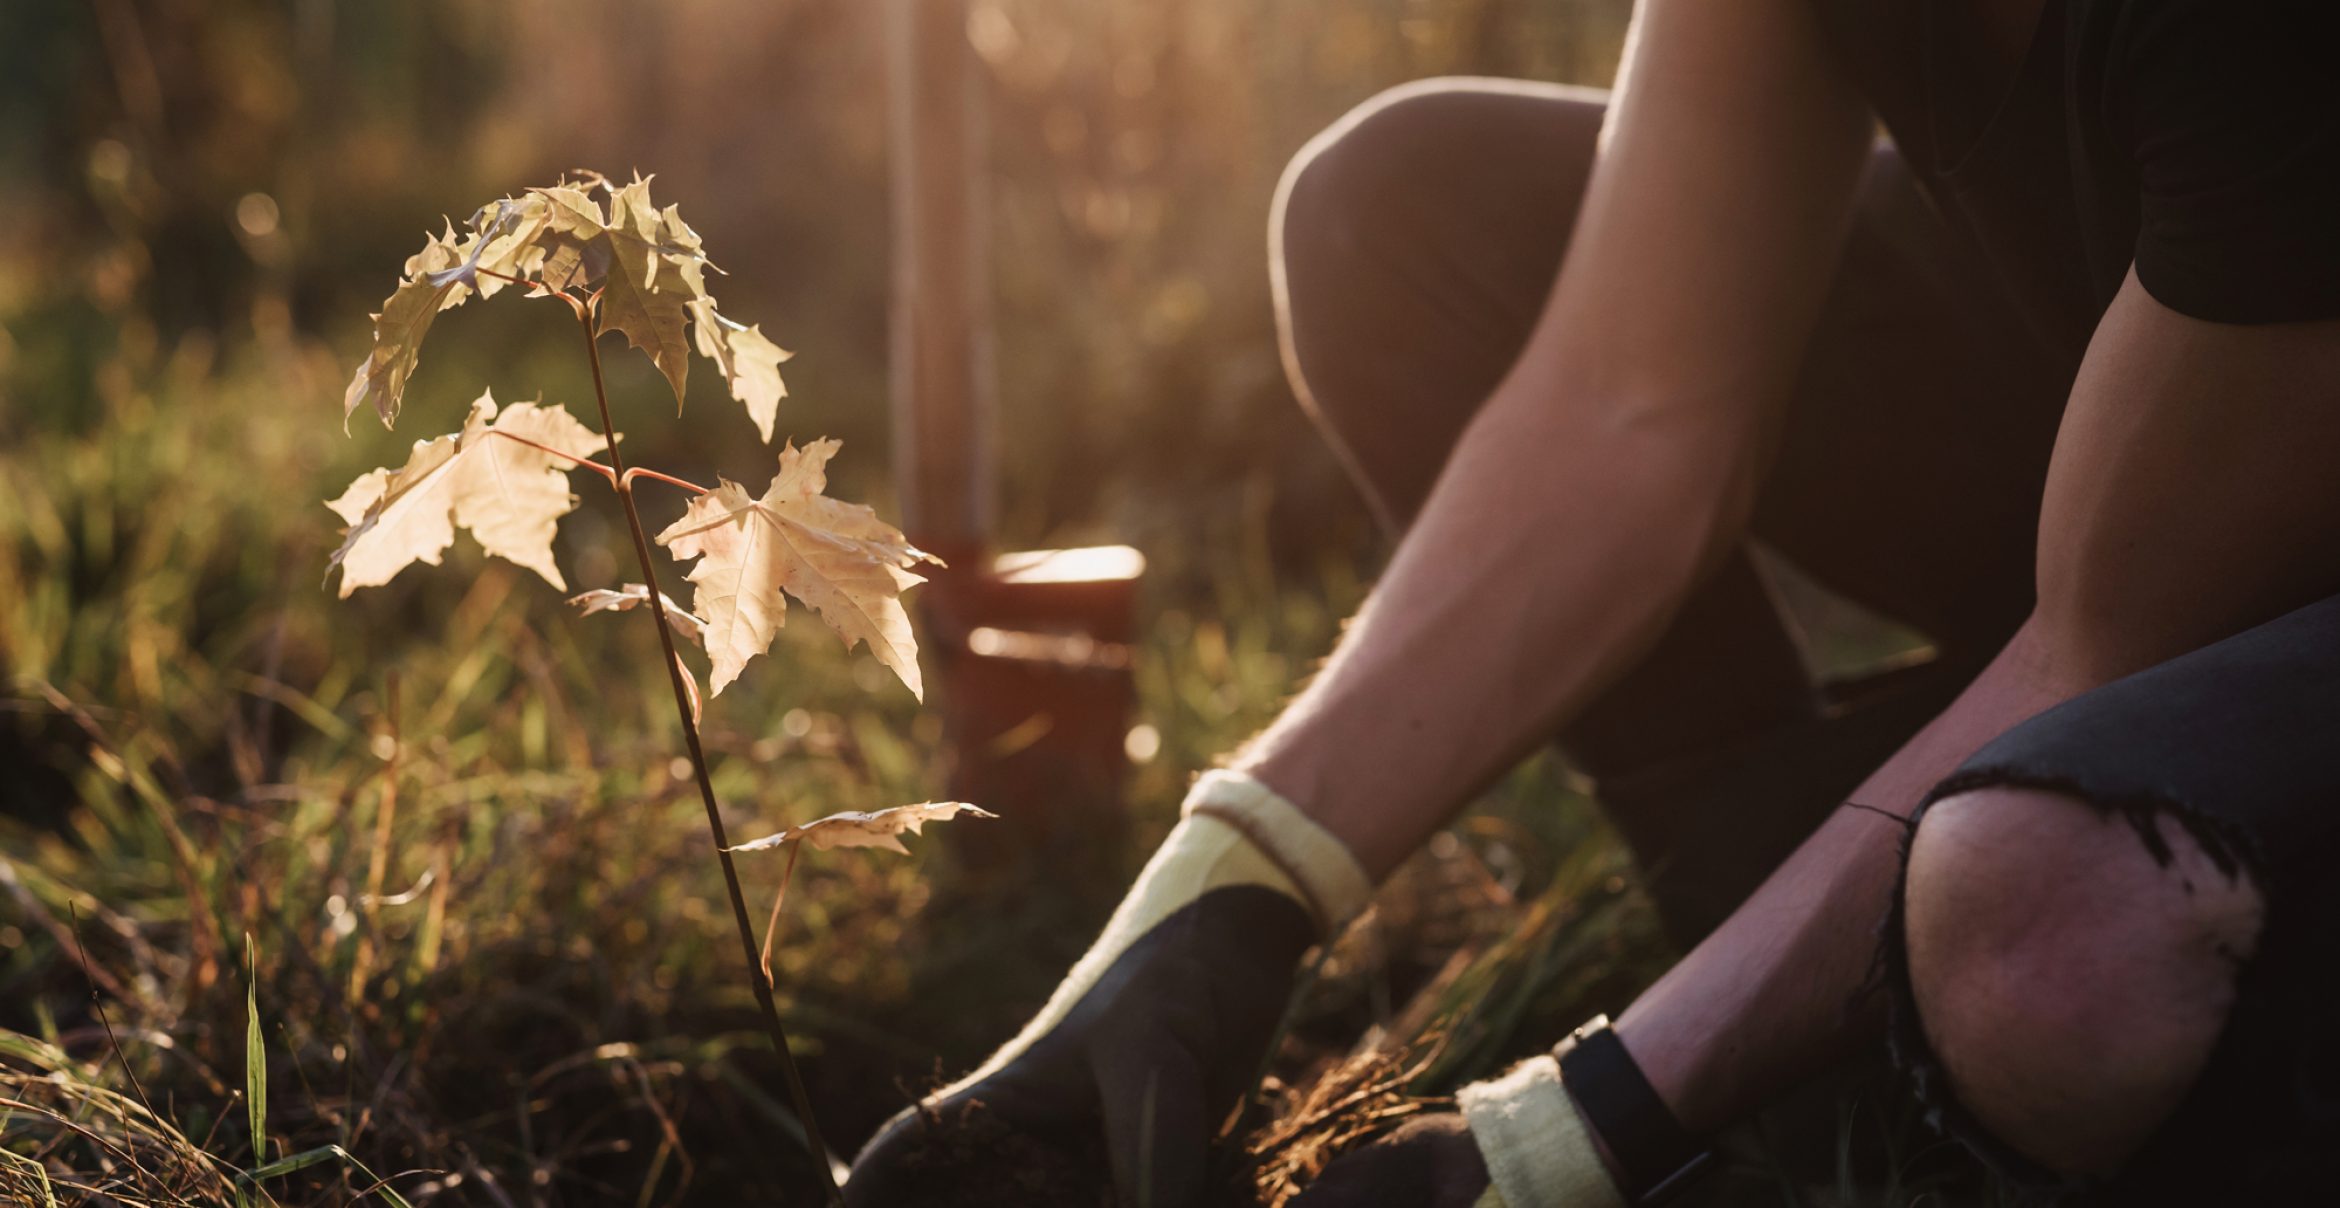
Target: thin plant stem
608 475
507 277
797 1094
73 910
772 925
668 479
586 463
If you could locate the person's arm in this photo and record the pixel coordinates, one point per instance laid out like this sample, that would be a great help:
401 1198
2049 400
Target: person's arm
2191 496
1620 458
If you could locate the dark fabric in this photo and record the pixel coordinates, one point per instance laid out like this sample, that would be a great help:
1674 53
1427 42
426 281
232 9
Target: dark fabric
2240 743
1648 1146
1128 1090
2198 138
1430 1161
1418 244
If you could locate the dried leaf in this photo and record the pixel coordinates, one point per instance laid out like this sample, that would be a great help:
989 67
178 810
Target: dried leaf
503 242
506 239
564 266
649 265
399 330
575 253
849 566
877 828
509 495
749 361
656 267
657 279
634 595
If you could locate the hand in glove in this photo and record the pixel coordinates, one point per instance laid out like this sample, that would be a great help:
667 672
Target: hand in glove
1154 1035
1523 1141
1429 1162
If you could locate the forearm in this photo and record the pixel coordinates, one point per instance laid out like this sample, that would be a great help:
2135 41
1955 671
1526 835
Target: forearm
1559 541
1774 993
2188 501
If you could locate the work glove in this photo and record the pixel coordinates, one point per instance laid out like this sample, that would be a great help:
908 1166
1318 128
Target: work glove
1431 1161
1523 1141
1146 1047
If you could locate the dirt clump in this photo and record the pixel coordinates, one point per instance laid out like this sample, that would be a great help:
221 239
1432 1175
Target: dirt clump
967 1156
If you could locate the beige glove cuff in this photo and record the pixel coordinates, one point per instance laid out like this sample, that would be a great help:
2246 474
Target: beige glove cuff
1537 1148
1319 865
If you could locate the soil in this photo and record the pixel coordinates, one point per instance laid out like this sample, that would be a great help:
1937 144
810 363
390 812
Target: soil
976 1160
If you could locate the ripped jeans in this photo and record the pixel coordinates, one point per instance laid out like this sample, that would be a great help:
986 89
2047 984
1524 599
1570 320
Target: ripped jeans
2239 745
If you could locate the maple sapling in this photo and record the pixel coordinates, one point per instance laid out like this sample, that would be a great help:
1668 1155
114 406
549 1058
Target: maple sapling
504 477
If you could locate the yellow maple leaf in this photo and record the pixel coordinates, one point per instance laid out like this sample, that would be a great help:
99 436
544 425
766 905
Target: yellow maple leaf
657 279
644 294
633 596
749 361
649 267
399 329
508 495
574 252
838 558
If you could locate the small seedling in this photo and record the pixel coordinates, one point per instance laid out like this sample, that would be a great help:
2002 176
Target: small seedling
637 270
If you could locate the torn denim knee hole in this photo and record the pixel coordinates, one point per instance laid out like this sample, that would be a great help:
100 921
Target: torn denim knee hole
2229 849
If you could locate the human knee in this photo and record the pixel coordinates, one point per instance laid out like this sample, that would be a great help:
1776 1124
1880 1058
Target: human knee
1326 203
2012 882
2070 967
1366 207
1326 185
1348 173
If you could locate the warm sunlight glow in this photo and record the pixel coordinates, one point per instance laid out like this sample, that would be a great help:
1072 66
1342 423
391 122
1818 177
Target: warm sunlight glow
1094 564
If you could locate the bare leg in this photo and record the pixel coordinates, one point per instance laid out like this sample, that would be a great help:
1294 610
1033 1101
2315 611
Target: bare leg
2070 983
1798 954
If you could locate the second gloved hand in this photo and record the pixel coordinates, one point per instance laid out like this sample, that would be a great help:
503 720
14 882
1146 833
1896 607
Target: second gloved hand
1525 1140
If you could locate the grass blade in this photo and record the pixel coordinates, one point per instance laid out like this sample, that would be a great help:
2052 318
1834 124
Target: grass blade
329 1153
255 1054
36 1175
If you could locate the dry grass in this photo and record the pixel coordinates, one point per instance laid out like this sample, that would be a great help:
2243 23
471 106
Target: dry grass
450 820
1348 1106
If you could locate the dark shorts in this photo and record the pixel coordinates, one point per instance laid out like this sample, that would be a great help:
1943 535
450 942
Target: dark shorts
2239 743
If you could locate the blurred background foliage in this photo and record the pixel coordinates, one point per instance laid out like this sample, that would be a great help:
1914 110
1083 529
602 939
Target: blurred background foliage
204 179
449 814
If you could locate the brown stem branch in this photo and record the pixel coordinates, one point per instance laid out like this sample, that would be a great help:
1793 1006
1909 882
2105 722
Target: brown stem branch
542 289
669 479
772 925
489 272
571 458
798 1096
